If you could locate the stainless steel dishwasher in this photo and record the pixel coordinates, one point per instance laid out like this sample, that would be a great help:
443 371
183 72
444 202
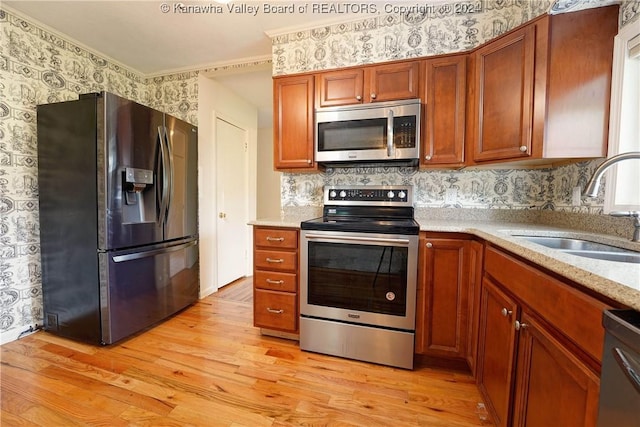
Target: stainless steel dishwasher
620 380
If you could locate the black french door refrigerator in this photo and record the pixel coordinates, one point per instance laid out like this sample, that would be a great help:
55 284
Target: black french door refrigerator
118 216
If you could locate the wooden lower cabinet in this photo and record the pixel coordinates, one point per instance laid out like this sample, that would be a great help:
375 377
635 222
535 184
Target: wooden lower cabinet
535 368
497 344
443 296
553 386
275 310
275 279
476 253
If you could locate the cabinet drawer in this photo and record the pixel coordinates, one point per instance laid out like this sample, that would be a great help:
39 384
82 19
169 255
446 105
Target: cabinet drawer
275 260
275 281
275 310
573 313
275 238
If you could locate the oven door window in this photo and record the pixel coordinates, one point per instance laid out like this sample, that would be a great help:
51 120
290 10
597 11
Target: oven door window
367 278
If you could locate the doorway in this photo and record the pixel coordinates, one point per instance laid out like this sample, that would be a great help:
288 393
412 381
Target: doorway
231 201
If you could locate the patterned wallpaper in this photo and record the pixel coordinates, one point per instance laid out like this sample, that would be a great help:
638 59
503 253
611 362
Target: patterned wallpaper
547 188
39 67
423 31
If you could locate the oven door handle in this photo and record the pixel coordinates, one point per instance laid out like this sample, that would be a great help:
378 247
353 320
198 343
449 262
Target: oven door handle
358 239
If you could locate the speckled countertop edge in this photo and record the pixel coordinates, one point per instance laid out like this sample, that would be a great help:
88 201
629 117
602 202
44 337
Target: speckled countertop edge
615 280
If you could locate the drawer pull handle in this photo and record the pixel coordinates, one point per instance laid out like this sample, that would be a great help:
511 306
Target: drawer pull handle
275 261
275 239
274 310
275 282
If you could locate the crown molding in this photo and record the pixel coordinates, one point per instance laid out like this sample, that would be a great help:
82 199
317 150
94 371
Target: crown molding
213 69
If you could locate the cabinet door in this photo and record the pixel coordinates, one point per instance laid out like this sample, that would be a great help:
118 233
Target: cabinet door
441 326
553 387
504 83
476 252
496 352
444 113
340 87
392 82
293 123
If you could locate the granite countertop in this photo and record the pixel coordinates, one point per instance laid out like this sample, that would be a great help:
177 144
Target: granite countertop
616 280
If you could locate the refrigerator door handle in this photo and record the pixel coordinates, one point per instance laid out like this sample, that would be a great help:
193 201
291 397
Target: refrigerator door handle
162 192
171 171
154 252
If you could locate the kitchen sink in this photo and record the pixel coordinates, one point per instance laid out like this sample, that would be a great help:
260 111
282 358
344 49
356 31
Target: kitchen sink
585 248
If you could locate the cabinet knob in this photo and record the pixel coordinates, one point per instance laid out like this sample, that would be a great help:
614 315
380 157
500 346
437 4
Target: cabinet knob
222 215
519 325
429 245
506 312
308 161
427 157
373 96
359 97
523 148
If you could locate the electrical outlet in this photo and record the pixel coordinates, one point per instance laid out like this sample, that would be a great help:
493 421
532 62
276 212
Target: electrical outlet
451 196
576 199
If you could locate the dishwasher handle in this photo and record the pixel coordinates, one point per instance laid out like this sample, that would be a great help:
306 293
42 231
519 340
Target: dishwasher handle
626 363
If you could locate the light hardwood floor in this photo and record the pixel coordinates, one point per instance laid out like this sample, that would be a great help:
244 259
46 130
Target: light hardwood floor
208 366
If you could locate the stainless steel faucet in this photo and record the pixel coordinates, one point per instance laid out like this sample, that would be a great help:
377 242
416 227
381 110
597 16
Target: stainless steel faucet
594 183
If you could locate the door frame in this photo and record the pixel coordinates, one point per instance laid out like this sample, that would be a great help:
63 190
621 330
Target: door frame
246 216
208 209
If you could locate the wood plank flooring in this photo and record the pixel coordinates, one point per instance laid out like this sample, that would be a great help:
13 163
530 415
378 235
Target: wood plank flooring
208 366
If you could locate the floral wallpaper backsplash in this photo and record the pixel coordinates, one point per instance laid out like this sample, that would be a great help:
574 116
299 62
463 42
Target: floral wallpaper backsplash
38 67
548 188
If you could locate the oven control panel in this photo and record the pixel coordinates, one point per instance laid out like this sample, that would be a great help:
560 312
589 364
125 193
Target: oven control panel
380 195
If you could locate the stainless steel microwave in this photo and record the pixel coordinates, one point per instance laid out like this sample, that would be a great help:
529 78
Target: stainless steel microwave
376 132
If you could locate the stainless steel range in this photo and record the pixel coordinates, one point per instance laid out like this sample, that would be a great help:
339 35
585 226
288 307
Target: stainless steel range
358 266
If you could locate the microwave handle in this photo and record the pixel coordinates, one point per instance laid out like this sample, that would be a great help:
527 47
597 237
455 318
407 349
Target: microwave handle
390 144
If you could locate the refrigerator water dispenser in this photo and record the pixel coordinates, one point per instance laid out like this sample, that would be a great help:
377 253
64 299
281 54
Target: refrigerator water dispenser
135 182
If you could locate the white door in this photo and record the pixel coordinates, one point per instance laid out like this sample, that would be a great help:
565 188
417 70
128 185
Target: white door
232 201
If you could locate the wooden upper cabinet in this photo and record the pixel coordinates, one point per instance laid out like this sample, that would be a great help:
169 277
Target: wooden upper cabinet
542 91
444 96
293 111
387 82
391 82
578 84
504 72
341 87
